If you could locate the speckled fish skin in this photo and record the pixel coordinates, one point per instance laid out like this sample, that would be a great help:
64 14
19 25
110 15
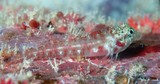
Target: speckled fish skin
125 34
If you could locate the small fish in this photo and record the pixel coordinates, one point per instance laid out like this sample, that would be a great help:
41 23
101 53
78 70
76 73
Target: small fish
104 44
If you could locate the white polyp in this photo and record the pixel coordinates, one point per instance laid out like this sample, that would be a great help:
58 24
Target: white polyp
79 51
61 52
15 50
35 54
76 45
60 48
48 50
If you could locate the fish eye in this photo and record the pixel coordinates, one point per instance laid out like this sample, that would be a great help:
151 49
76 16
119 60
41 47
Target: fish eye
131 31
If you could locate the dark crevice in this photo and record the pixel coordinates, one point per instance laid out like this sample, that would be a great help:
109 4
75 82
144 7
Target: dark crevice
131 51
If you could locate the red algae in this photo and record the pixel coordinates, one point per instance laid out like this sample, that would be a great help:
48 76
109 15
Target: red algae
34 24
145 23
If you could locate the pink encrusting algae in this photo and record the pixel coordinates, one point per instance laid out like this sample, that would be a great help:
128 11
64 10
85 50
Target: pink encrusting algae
71 48
64 36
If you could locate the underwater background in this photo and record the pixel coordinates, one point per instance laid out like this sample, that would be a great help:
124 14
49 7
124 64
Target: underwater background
117 9
79 41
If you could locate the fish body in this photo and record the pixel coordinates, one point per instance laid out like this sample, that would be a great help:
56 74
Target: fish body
42 46
103 43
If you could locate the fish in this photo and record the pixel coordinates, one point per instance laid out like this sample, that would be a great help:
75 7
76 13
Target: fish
103 43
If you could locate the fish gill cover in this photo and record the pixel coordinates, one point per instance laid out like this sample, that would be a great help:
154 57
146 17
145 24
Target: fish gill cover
79 42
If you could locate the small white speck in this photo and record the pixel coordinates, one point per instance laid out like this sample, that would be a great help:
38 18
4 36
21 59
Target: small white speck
95 49
61 52
76 46
79 51
60 48
48 50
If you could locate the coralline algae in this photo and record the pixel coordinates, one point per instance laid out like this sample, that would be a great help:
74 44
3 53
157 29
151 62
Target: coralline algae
37 44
